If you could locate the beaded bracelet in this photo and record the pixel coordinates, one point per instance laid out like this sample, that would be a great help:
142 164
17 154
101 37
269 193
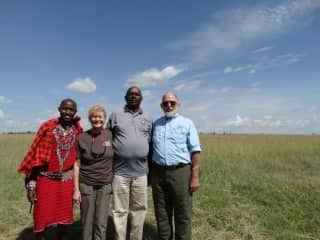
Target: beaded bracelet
31 185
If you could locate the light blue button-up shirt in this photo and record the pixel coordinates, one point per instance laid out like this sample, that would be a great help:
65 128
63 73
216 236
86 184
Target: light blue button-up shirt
174 139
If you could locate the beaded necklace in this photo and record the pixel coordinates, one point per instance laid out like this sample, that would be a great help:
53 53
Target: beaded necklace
65 139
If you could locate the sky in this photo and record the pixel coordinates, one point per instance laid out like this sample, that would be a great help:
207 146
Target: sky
236 66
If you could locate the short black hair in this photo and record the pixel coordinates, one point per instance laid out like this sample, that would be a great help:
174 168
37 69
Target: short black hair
132 88
68 100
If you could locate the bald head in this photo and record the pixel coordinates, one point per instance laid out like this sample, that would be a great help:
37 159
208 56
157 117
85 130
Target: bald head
170 95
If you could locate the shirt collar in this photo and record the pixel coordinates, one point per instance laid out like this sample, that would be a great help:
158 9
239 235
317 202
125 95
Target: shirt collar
126 109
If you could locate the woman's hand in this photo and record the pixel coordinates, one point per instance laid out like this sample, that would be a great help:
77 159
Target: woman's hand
77 197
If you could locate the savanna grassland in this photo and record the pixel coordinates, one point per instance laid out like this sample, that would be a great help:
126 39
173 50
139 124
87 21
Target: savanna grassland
252 187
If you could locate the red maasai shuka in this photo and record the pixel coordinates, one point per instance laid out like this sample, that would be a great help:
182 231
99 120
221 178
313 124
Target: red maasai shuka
54 197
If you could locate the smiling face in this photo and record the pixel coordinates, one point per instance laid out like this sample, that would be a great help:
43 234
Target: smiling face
67 109
170 104
97 117
97 120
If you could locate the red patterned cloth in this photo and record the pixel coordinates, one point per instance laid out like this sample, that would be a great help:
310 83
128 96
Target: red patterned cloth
54 197
40 150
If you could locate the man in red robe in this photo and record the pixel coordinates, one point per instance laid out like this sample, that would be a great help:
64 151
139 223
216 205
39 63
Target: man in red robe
48 167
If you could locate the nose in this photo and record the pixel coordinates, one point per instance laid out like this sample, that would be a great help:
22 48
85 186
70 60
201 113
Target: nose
69 111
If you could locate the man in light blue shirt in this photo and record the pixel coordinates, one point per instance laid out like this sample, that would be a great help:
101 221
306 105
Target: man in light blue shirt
174 170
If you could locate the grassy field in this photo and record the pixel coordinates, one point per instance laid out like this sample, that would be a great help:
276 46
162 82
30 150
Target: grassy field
252 187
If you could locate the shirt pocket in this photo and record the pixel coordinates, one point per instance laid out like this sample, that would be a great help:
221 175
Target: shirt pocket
179 134
144 127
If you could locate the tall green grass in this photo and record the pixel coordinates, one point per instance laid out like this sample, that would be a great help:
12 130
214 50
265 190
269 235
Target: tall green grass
258 187
14 208
252 187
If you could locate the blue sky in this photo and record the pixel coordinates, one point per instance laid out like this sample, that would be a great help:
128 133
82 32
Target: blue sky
237 66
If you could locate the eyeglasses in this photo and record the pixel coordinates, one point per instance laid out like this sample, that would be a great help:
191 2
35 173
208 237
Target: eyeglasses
167 103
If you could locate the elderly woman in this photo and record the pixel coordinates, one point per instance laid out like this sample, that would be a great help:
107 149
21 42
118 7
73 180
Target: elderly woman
93 175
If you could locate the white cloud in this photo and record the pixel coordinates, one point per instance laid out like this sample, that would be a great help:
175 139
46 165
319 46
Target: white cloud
197 107
238 121
223 90
266 122
249 68
153 77
187 87
84 85
3 100
314 109
254 88
286 59
234 29
263 49
228 70
149 95
266 62
194 87
204 117
302 123
146 93
252 71
2 115
50 114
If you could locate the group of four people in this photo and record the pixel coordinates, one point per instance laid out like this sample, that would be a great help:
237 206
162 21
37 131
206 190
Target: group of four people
65 163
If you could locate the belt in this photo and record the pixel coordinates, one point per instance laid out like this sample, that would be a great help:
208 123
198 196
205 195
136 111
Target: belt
65 175
171 167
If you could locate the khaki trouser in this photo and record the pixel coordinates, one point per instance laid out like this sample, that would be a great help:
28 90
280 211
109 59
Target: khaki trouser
129 199
94 211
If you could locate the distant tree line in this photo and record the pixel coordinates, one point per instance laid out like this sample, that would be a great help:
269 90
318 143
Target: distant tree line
27 132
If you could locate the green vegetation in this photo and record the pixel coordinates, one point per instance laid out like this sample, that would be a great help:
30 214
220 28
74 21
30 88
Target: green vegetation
252 187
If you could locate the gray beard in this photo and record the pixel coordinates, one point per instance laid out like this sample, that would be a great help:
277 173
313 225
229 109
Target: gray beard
171 114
